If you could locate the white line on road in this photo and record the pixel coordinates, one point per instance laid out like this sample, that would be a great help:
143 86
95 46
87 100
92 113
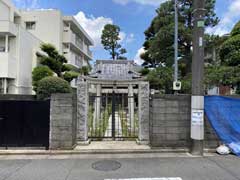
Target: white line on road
163 178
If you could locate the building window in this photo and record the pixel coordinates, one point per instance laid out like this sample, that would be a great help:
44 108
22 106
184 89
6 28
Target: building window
78 61
31 25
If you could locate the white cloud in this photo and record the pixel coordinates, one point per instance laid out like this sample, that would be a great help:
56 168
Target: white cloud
122 36
94 26
27 4
143 2
130 38
229 19
137 58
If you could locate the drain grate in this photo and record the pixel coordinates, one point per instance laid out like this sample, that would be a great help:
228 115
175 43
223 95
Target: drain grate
106 165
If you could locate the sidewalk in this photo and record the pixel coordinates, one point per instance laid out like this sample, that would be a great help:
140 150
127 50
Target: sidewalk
96 147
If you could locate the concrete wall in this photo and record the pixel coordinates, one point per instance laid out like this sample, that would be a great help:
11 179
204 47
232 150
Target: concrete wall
49 25
27 46
62 121
170 122
5 12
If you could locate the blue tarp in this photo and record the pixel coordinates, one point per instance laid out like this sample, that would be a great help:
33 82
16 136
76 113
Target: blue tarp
224 115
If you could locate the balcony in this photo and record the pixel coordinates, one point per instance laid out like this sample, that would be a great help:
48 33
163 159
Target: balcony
68 37
7 65
71 38
8 28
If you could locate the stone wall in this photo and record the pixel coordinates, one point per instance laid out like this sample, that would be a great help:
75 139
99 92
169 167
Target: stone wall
170 120
62 121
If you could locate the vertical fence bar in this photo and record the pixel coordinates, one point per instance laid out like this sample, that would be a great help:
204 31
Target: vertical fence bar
113 114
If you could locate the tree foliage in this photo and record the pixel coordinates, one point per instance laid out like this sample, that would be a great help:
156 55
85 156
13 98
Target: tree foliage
161 79
51 85
222 75
57 62
160 35
39 73
110 40
229 53
236 30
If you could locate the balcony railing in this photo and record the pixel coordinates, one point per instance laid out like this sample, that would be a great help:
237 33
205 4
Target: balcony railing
79 42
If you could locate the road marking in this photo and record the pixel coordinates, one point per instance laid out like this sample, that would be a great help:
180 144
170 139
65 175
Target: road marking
162 178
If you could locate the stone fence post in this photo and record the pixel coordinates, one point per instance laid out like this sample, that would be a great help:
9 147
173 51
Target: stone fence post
62 134
143 103
82 112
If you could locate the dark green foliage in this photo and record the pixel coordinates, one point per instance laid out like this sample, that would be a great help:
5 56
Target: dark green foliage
85 70
229 53
236 29
70 75
70 67
160 35
51 85
57 62
186 84
144 71
222 75
40 73
110 41
53 60
161 79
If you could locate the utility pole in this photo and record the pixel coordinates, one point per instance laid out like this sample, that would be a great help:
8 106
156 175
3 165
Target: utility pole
176 44
197 110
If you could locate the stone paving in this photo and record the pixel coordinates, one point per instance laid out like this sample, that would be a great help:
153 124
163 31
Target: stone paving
118 126
113 145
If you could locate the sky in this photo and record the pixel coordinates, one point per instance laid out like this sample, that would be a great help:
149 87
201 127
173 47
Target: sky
133 17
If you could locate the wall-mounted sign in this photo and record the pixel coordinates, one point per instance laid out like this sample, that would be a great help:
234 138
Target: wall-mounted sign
197 117
200 24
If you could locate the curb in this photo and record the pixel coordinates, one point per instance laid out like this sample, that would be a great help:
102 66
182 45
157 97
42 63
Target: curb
92 152
84 152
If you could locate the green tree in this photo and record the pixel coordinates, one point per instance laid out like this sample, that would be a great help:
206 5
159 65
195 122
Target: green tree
161 78
39 73
160 35
236 30
51 85
110 40
229 52
57 62
222 75
230 60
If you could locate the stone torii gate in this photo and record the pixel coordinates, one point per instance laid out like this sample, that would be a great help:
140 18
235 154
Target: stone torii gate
118 76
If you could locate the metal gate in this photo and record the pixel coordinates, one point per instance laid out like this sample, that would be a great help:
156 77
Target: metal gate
24 123
110 117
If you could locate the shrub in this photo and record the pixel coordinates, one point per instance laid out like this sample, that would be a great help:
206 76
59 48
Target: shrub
85 70
39 73
51 85
70 75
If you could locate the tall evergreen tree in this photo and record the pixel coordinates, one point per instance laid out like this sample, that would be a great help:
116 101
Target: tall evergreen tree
160 35
110 41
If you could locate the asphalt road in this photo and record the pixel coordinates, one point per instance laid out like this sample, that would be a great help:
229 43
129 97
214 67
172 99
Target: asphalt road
74 168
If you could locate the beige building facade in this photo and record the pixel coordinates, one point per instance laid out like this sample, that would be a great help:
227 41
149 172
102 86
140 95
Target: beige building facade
21 34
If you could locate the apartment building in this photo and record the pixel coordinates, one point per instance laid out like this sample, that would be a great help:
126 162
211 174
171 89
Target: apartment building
22 32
